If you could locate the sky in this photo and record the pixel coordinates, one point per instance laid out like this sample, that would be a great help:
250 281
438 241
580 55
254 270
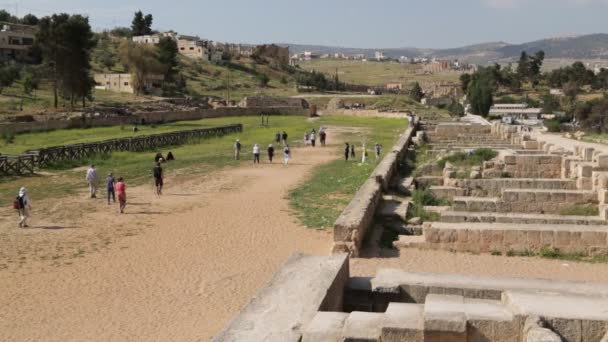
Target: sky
346 23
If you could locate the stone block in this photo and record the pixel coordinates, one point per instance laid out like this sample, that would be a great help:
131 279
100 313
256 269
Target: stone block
567 329
325 327
403 322
362 327
593 330
562 238
547 237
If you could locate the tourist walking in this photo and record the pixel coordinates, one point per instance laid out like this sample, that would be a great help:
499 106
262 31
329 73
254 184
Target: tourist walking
352 151
377 149
121 191
93 181
322 136
363 154
23 206
284 136
110 186
286 155
306 138
270 152
346 151
277 137
157 172
313 138
256 154
237 149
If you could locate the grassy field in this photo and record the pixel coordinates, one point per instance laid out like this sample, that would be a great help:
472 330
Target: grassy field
319 202
332 184
375 73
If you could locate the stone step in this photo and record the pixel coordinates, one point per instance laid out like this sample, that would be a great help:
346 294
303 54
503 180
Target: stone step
526 201
362 327
407 241
394 208
519 218
447 192
505 237
404 186
325 327
403 322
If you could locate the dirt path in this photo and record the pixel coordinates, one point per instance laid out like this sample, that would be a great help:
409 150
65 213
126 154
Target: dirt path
175 268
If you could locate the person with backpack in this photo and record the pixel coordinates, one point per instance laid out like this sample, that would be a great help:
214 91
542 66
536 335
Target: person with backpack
23 206
157 171
237 149
110 186
256 154
92 180
270 152
284 136
286 155
121 191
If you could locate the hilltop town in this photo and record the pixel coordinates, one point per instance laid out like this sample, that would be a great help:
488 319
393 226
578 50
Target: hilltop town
158 185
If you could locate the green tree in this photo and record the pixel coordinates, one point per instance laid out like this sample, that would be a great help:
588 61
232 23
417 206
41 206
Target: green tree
141 25
167 55
456 109
416 93
465 79
66 42
9 73
122 32
30 82
30 19
481 93
523 66
142 62
263 80
7 17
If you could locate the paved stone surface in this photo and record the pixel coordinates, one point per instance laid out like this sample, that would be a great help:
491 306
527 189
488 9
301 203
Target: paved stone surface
325 327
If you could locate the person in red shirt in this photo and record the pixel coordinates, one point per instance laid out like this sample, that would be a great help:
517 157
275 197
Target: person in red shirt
121 192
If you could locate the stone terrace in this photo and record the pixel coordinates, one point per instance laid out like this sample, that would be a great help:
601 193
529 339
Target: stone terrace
533 196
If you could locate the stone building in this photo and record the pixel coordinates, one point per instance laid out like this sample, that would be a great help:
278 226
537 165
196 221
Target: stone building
123 83
16 41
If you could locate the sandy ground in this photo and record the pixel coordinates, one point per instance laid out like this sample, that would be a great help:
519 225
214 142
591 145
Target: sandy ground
175 268
179 267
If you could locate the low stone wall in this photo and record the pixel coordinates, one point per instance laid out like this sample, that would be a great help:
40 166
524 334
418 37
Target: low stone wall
492 187
353 224
454 129
283 308
527 201
152 117
525 166
485 238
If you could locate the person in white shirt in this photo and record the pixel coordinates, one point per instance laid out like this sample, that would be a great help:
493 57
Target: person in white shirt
286 155
256 154
93 181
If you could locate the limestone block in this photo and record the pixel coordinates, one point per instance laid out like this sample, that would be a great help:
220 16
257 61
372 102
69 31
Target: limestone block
542 335
403 322
362 327
584 170
325 327
602 161
584 184
568 329
510 160
588 153
594 330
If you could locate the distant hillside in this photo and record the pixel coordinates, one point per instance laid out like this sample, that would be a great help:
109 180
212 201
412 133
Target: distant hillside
592 46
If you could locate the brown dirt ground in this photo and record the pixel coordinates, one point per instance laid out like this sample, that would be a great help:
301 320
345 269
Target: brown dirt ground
179 267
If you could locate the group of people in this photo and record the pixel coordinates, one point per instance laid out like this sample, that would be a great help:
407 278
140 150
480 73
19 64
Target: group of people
310 138
257 151
349 152
114 187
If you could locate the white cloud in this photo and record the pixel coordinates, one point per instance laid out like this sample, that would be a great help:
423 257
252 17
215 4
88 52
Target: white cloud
502 4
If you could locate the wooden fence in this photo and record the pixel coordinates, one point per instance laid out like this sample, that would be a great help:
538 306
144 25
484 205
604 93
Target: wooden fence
26 163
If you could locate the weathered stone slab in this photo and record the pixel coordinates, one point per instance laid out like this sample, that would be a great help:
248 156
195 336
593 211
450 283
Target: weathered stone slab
362 327
325 327
283 308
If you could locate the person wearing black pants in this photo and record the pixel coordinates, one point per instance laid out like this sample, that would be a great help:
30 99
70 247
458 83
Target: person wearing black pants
270 153
256 154
346 151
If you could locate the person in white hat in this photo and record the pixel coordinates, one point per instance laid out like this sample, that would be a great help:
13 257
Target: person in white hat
25 206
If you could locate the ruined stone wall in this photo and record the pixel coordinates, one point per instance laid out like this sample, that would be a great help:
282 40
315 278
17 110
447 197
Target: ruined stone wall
273 102
153 117
525 166
493 187
353 224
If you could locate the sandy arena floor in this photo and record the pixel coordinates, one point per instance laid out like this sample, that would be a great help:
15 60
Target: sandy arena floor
178 268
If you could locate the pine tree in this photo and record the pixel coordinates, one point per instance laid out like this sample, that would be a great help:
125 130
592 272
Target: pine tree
416 92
